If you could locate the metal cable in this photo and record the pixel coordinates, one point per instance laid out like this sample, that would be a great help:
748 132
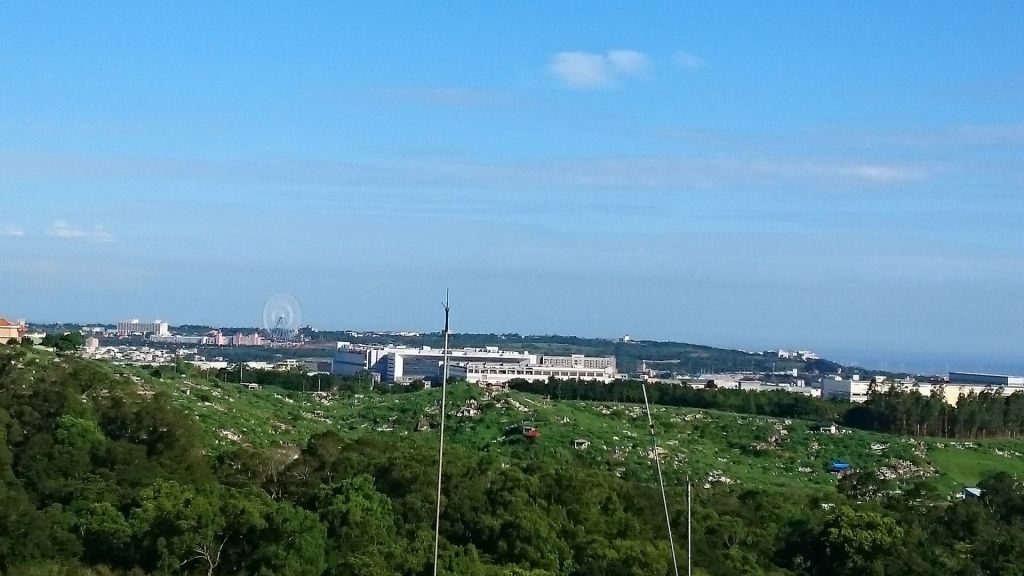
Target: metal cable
661 480
440 450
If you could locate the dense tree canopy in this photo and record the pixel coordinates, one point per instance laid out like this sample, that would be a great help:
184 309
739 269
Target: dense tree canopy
98 475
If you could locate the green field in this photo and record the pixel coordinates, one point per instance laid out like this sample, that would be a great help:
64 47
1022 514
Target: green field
968 465
707 446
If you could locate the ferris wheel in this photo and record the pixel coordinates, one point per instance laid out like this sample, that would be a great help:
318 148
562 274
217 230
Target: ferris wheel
282 316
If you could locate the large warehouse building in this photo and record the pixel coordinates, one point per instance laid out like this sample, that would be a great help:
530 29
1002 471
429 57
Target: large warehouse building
956 385
403 364
985 379
575 367
479 365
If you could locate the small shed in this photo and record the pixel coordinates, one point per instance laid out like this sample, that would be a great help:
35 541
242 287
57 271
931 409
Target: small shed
828 428
531 432
971 493
581 443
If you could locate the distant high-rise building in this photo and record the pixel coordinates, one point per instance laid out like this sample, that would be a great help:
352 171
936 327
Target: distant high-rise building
133 326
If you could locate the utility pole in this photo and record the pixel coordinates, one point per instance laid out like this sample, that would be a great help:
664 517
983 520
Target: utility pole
689 533
447 309
440 451
661 480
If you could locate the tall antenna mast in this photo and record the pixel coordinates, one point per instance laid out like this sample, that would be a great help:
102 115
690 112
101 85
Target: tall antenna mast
440 450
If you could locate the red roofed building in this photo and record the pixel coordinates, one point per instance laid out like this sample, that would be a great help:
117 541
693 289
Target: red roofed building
10 330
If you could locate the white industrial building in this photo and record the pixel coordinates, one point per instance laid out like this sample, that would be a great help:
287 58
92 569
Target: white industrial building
958 384
986 379
575 367
129 327
851 389
405 364
483 365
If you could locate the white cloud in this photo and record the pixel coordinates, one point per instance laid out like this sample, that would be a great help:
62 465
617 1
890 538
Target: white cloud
689 61
883 173
12 230
63 229
629 62
594 70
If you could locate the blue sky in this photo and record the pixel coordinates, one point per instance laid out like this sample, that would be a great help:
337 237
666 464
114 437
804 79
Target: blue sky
846 178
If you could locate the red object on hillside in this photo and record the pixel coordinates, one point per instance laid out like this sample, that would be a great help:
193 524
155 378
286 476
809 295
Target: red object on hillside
531 432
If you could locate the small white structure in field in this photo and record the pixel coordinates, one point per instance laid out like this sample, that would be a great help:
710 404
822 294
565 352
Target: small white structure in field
828 428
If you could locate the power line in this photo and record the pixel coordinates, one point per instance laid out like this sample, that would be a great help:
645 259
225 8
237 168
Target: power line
661 483
440 450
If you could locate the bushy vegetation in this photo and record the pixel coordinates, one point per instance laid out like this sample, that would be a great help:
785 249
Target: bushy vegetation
110 471
63 342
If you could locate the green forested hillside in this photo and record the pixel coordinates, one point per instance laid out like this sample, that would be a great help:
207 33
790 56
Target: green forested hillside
107 470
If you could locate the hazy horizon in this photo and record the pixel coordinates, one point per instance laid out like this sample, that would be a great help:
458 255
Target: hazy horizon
937 362
841 178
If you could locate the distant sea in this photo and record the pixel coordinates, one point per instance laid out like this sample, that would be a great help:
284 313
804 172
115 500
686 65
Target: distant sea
928 363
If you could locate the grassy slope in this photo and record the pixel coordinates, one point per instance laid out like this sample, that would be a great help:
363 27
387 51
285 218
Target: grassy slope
968 465
699 443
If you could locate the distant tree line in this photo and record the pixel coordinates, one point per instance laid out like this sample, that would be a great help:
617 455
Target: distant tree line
987 414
